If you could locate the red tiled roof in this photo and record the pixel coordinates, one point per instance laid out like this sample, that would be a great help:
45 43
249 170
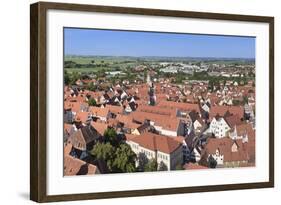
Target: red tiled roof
115 109
170 111
129 137
179 105
193 166
168 123
100 127
98 111
233 120
74 166
221 110
156 142
67 148
74 106
125 119
82 116
224 145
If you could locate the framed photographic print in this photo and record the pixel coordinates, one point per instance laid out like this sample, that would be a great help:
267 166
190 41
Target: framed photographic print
134 102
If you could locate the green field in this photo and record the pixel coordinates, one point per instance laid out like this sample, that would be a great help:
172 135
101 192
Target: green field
95 64
88 70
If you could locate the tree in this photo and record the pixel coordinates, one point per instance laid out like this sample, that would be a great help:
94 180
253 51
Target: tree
105 152
124 160
69 64
66 78
162 166
212 163
110 136
236 102
118 159
74 77
92 87
92 102
151 166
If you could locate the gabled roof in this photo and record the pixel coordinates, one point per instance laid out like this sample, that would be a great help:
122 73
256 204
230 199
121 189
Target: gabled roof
73 166
224 146
99 126
221 110
233 120
89 133
83 136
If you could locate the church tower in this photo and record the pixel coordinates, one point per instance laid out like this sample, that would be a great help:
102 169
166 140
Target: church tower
151 90
151 95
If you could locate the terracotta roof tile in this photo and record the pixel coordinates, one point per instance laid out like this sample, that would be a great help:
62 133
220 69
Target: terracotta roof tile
192 166
224 145
221 110
74 166
100 112
100 127
157 142
233 120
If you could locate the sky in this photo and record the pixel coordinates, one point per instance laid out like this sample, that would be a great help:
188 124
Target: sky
136 43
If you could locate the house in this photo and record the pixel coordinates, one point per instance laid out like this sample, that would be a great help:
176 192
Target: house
83 117
248 112
171 127
73 166
165 125
166 150
68 129
226 152
221 110
219 127
135 128
75 107
233 120
198 125
67 115
100 113
84 138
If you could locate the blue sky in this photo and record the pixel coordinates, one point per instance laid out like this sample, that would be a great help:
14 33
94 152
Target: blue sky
128 43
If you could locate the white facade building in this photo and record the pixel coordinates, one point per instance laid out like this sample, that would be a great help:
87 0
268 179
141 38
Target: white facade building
164 149
219 127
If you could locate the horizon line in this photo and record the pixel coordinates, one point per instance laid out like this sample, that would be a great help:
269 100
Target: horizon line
95 55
